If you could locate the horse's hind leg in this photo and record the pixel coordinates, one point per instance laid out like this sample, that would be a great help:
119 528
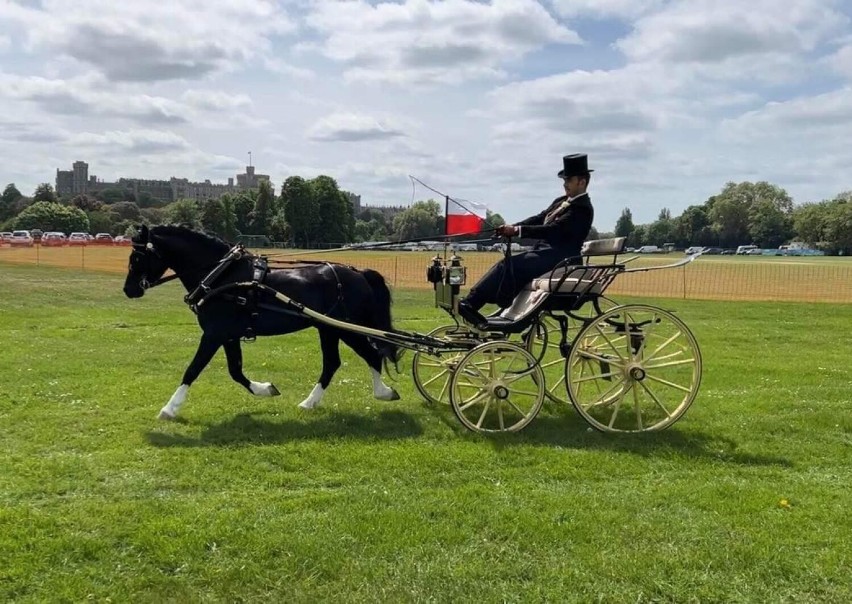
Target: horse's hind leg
234 354
329 341
363 349
206 349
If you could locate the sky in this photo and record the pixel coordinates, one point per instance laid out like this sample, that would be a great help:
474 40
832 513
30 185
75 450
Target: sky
670 99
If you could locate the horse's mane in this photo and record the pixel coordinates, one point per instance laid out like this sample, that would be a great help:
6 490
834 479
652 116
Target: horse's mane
184 232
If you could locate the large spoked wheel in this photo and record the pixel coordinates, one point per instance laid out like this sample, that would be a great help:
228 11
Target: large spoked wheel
432 373
544 341
497 387
635 368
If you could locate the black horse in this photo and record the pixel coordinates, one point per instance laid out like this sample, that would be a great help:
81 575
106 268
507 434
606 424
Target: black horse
342 292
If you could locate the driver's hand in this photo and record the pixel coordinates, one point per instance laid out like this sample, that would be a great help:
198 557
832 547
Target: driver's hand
506 230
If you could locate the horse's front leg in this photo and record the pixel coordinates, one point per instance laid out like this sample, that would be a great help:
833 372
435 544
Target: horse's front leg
206 349
234 354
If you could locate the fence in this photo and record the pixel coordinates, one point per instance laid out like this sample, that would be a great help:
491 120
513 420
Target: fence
807 279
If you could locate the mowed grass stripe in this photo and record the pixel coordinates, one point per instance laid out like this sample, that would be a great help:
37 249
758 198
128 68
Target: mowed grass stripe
253 499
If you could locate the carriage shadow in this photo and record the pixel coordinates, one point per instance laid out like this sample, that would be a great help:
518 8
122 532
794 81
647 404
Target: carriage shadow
247 429
562 428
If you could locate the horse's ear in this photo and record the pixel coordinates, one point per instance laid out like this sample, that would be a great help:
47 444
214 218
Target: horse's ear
143 232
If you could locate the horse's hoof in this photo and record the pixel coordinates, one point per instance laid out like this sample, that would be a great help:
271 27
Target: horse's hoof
263 389
166 416
395 396
273 391
309 405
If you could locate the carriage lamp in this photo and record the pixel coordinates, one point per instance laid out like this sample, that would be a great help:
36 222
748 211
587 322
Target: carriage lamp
456 272
435 272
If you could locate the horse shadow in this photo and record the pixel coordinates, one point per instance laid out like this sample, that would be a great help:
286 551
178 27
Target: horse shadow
560 427
247 429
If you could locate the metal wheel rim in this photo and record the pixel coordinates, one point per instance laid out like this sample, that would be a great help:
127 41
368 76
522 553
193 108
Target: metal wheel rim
639 382
432 373
546 332
475 392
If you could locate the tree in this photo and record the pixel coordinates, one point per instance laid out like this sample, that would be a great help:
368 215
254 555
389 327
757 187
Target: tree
213 216
184 211
492 220
101 221
52 216
243 207
125 210
336 220
151 216
301 210
838 229
10 196
423 219
229 218
264 208
624 226
86 203
769 227
279 230
44 192
809 222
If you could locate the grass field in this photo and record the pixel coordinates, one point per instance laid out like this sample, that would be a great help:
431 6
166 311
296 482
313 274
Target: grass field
745 499
753 278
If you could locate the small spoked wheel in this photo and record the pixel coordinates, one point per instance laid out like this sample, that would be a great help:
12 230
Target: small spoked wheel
544 341
635 368
432 373
497 387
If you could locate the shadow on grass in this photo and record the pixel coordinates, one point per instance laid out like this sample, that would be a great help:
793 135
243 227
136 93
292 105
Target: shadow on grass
249 429
561 427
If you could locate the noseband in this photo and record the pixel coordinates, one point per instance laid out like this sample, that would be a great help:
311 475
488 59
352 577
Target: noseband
142 252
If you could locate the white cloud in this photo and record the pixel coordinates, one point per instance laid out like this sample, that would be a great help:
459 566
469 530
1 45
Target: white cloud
150 41
428 41
350 127
143 142
841 61
713 31
625 9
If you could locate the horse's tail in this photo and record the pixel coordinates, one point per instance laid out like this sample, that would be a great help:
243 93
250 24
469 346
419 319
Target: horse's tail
381 315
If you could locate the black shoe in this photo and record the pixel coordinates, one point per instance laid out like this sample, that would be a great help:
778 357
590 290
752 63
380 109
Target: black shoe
471 315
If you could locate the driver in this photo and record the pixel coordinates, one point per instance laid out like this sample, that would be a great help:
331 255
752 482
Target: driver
561 229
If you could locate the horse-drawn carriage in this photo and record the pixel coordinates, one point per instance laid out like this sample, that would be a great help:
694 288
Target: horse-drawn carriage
625 368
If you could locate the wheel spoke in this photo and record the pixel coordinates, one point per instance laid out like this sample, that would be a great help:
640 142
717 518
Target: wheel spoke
475 400
608 341
667 383
636 407
672 364
656 400
443 373
524 392
598 376
616 408
663 345
484 412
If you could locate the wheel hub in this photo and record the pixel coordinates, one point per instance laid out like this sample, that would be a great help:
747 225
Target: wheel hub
501 392
636 373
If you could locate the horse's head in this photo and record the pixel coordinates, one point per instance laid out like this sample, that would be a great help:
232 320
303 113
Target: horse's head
146 265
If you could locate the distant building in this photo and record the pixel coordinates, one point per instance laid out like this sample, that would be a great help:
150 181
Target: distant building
70 183
355 200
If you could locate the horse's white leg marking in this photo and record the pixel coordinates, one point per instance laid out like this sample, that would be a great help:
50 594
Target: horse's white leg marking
380 390
314 399
171 409
263 389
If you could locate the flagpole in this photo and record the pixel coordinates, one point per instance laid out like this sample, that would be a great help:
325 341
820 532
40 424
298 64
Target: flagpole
446 223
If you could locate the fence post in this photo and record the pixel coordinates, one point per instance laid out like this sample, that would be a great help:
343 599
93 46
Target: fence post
83 257
395 266
684 282
38 247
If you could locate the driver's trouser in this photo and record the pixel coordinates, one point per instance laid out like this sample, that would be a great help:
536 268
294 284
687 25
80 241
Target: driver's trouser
499 286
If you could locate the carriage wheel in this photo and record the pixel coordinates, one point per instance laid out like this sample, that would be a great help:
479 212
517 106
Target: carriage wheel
635 368
497 387
432 373
545 338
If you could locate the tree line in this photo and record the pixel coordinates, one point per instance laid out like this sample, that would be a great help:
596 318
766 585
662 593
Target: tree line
307 213
747 213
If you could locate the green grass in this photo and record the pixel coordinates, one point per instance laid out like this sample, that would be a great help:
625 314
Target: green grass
252 499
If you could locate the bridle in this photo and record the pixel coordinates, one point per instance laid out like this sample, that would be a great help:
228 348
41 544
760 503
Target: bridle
142 254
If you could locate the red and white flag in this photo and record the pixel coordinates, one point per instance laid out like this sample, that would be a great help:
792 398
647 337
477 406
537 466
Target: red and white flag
465 217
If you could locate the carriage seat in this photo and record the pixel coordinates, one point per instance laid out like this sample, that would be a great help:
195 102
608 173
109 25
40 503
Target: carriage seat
604 247
572 284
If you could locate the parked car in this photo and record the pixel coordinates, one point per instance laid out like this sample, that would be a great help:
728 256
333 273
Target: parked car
713 251
103 239
54 239
648 249
78 239
745 249
21 239
122 240
5 238
693 250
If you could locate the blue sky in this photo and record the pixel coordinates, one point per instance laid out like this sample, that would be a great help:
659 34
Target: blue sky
670 99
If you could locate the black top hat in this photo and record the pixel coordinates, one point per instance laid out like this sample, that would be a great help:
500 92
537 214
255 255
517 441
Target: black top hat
575 164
